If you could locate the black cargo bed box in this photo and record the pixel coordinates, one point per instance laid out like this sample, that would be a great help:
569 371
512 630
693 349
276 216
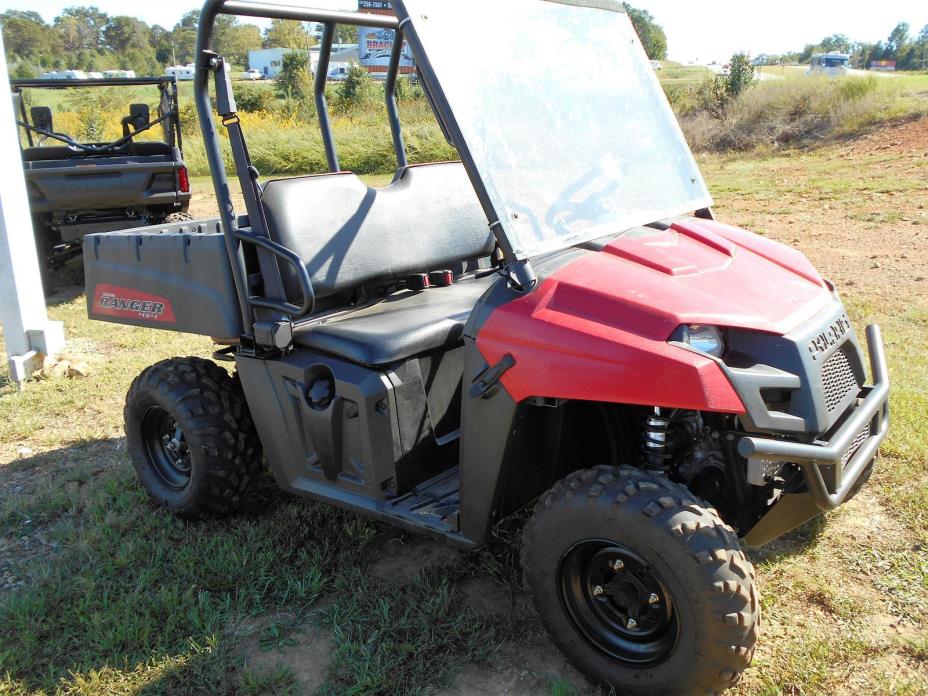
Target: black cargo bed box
174 277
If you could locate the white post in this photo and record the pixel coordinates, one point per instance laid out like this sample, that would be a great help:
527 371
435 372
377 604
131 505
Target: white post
26 329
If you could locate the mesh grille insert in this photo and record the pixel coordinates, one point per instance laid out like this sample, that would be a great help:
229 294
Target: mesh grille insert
838 380
862 436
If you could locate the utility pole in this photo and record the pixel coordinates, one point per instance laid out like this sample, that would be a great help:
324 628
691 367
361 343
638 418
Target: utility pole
26 329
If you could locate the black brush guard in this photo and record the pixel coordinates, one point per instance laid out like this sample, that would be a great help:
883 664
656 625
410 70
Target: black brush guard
872 412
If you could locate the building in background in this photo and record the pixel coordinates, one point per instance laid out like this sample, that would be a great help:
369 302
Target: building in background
267 60
376 45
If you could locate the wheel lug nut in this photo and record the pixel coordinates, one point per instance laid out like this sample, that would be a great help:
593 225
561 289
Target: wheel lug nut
653 599
598 590
631 625
617 564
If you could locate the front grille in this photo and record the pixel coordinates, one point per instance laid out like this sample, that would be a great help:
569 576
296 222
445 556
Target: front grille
838 380
862 437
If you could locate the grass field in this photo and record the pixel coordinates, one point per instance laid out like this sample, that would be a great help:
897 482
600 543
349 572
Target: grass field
682 75
102 593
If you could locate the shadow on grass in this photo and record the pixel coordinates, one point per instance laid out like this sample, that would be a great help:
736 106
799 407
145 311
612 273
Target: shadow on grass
794 543
125 597
63 284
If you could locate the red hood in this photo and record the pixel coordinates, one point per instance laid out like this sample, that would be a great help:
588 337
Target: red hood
696 272
596 329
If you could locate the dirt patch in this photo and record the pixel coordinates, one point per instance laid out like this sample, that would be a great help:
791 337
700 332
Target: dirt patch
858 211
284 642
400 559
896 139
865 522
203 202
17 554
487 597
526 668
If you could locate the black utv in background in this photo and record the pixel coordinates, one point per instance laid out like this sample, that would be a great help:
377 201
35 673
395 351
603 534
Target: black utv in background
77 188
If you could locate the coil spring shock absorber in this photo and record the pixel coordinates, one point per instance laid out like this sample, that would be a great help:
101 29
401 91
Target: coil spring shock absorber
655 445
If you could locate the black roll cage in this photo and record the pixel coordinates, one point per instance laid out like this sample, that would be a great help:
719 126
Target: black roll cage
263 316
167 86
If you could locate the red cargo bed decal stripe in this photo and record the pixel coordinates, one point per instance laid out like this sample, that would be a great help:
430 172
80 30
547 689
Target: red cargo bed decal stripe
116 301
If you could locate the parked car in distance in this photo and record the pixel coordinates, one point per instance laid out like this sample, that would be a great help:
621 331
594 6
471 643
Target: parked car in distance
657 65
338 73
253 74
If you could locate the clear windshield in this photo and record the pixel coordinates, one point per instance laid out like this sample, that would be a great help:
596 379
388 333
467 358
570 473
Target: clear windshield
560 110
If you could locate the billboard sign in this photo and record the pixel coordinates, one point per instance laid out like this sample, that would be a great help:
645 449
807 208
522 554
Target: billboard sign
883 65
376 45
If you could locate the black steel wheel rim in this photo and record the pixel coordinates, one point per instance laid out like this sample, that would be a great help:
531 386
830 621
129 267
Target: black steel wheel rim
166 447
618 602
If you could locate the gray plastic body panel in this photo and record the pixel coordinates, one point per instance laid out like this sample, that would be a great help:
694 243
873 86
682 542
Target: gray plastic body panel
793 363
105 183
174 277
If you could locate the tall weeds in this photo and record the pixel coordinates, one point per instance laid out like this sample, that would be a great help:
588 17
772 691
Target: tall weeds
799 111
284 138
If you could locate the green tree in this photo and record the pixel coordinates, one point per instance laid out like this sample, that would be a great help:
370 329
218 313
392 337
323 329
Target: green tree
836 42
921 44
184 37
345 34
122 34
898 38
162 43
650 33
234 42
294 81
287 33
357 91
25 34
81 28
740 76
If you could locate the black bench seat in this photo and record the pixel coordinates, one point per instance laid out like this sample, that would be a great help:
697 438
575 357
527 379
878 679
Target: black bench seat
351 236
403 325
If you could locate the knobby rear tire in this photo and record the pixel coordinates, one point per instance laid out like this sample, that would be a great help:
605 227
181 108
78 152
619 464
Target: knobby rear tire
224 453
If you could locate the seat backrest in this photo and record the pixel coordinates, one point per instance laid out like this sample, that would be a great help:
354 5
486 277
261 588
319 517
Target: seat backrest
146 148
350 235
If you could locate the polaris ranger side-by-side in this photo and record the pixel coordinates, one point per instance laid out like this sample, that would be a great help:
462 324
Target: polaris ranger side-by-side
556 320
76 188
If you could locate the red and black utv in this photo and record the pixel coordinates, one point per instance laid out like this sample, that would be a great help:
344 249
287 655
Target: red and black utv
555 320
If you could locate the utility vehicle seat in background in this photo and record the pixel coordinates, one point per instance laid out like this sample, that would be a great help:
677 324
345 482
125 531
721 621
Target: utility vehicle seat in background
349 235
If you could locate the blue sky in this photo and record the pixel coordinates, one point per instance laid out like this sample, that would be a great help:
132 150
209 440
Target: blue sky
704 31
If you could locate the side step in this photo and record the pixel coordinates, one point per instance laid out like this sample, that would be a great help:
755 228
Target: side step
435 503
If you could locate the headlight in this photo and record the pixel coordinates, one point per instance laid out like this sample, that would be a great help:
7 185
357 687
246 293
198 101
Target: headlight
701 337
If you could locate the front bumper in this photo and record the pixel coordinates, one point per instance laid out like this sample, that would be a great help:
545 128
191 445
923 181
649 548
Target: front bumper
832 468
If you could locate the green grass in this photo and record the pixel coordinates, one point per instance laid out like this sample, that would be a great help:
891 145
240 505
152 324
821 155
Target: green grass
682 75
119 597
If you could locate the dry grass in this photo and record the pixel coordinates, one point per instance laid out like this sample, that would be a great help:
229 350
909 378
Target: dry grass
801 111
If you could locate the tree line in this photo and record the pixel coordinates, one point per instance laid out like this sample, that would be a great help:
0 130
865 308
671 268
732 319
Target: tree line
908 51
84 38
